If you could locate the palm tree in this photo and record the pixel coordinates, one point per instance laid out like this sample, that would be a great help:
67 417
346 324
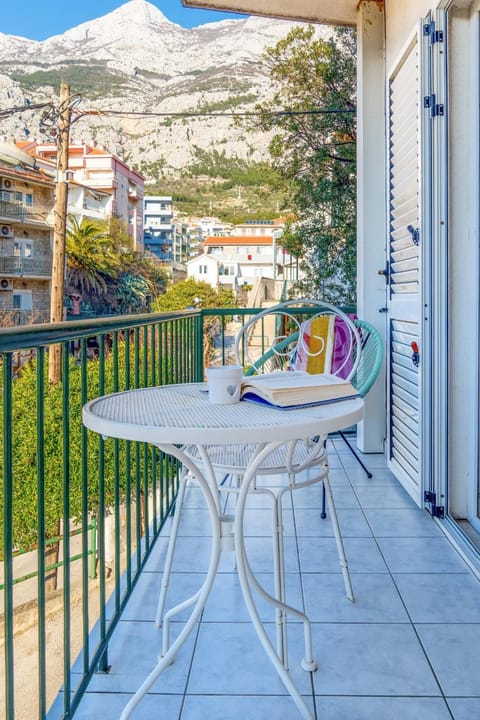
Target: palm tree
93 261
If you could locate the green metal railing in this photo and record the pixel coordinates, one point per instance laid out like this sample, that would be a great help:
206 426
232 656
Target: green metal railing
57 480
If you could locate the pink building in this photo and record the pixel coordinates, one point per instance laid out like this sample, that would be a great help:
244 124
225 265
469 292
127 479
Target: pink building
96 168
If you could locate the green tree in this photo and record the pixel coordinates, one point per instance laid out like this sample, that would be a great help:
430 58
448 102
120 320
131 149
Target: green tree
92 258
191 293
104 270
315 150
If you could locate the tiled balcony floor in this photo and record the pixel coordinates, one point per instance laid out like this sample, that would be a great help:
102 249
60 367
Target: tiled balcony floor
407 649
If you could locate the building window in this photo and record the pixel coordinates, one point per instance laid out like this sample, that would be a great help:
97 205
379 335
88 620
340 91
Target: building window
22 299
23 248
226 270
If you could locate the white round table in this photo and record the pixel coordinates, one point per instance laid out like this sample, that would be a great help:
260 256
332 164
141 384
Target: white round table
176 415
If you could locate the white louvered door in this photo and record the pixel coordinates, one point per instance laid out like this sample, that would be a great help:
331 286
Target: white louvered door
417 262
404 272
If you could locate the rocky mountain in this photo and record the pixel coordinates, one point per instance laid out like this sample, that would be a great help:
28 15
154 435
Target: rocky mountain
135 59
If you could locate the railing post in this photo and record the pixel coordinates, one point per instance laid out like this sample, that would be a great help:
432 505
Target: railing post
199 349
7 535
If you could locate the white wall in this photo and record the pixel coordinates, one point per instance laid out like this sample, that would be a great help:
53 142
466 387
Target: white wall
371 203
202 261
463 259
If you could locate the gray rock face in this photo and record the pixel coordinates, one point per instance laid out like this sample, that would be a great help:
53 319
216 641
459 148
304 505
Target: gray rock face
135 59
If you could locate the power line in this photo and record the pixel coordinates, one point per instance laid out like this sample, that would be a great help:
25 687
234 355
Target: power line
199 113
27 106
249 113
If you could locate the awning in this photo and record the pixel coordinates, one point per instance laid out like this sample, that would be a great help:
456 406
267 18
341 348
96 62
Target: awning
330 12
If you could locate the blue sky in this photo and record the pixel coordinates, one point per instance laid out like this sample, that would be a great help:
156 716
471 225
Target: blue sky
40 19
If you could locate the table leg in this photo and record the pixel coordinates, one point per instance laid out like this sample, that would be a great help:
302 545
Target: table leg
245 577
200 598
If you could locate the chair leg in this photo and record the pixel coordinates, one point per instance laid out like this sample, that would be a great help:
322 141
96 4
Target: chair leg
352 450
170 550
279 561
338 539
323 514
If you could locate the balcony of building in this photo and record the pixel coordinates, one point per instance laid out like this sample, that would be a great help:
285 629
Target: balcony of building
93 514
32 267
37 214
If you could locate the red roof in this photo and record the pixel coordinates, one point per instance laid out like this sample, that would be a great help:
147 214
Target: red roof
239 240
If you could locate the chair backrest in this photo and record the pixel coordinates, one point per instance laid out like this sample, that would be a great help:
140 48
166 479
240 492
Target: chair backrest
308 334
371 357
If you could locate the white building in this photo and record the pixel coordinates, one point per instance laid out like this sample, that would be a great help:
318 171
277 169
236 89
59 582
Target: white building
158 226
204 268
88 204
241 260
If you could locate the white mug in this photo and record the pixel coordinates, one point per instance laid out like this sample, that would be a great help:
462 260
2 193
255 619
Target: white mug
224 384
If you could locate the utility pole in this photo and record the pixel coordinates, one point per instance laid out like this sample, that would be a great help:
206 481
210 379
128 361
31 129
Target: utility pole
60 229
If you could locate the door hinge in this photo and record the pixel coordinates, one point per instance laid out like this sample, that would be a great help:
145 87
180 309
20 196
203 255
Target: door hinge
435 510
436 109
385 272
436 36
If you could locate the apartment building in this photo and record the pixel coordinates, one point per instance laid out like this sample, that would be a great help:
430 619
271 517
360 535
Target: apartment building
103 172
158 226
26 232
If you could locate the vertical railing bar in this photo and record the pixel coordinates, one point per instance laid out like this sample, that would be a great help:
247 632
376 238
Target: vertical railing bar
171 355
161 459
136 345
153 355
154 492
199 345
243 343
127 360
180 350
146 494
116 474
191 350
128 512
138 508
166 359
175 337
223 338
66 530
8 536
41 630
145 356
115 361
160 353
184 348
128 470
85 514
103 662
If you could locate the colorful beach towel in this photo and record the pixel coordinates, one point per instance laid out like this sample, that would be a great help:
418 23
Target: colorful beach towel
325 346
315 345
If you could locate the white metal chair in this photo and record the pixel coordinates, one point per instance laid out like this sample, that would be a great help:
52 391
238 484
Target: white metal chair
276 339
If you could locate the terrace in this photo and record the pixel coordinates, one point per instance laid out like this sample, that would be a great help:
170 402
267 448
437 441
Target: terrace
100 527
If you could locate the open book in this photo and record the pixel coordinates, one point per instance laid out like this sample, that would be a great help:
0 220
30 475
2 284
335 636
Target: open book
296 389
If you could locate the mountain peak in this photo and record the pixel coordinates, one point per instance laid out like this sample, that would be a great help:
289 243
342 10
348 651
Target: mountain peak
140 11
132 19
